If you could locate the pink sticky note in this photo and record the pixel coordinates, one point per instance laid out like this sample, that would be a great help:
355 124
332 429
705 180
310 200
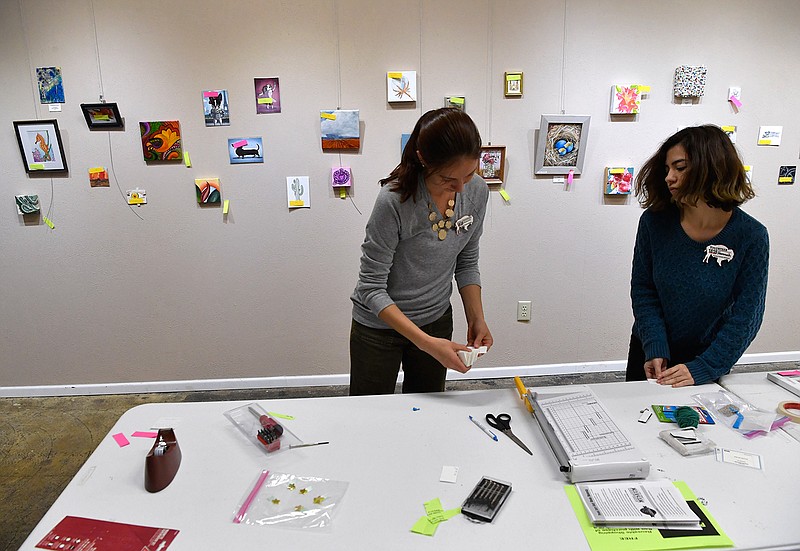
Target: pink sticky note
735 101
570 176
210 94
789 373
144 434
239 143
120 439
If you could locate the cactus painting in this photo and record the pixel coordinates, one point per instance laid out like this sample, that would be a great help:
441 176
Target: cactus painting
298 192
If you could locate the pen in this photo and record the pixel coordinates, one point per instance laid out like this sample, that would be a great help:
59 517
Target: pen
307 445
489 433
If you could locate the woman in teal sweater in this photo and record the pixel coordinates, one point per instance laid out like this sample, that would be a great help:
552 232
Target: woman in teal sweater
700 263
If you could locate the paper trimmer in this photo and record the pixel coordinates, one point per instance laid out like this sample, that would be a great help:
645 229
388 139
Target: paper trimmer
587 443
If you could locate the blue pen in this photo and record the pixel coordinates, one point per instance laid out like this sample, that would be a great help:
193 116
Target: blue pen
489 433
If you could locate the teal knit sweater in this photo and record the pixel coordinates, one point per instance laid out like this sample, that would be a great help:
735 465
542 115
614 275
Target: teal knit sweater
698 303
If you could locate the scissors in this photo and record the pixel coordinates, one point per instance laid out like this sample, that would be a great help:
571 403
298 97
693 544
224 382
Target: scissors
502 422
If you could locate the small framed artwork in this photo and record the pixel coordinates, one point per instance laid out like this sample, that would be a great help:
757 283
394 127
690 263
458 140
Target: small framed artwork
207 191
215 108
245 150
625 99
340 129
619 180
401 86
787 175
161 141
136 197
268 95
341 176
27 204
40 145
459 102
100 116
562 144
512 84
491 164
689 81
298 192
770 135
51 86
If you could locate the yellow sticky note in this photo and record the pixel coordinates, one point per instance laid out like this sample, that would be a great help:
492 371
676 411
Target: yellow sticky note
96 170
514 77
296 203
424 526
616 170
504 195
457 101
225 204
186 159
450 513
329 116
785 179
644 89
280 415
265 100
101 117
728 128
747 168
49 223
36 166
342 193
395 75
434 510
764 142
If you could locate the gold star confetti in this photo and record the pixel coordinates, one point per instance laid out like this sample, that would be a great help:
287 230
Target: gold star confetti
298 508
304 491
319 499
291 486
276 501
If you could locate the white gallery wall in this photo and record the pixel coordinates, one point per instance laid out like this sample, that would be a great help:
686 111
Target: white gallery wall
173 292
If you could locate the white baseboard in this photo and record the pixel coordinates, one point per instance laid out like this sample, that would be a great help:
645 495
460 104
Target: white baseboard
338 379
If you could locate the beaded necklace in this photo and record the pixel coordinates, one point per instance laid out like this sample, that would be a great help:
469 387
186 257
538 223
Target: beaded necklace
441 226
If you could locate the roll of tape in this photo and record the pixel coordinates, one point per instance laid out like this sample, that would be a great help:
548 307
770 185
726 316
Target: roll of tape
785 407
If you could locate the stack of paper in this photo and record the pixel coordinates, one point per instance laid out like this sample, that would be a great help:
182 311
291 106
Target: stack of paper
636 503
469 356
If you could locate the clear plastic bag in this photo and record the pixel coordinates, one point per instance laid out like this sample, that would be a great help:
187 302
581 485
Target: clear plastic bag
732 411
290 501
261 429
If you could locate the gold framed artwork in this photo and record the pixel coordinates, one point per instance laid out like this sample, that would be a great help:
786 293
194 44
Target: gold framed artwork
512 84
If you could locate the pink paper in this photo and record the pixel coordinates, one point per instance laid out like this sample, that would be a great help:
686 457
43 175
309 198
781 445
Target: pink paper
778 423
120 439
735 101
794 373
144 434
210 94
570 176
239 143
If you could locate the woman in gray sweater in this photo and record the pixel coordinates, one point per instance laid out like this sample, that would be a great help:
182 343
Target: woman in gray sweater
424 231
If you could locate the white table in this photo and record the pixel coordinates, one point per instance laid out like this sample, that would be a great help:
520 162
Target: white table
756 389
392 458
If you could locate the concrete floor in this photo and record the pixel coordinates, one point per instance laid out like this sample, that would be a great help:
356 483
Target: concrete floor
44 441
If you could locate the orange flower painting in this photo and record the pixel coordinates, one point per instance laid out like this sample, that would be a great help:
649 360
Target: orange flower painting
161 140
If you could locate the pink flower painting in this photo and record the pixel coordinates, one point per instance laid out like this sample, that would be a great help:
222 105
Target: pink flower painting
625 99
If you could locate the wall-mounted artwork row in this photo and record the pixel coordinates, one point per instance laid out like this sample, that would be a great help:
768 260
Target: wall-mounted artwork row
161 141
339 129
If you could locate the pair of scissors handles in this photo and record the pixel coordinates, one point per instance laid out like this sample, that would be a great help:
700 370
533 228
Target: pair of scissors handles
502 422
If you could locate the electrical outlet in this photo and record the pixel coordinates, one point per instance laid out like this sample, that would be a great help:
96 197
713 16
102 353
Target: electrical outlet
524 310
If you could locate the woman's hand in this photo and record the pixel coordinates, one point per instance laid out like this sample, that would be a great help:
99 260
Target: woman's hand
445 352
478 335
653 368
677 375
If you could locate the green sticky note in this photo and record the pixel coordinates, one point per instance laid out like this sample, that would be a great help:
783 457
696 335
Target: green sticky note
458 101
49 223
504 195
514 77
36 166
186 159
434 510
265 100
280 415
225 205
424 526
450 513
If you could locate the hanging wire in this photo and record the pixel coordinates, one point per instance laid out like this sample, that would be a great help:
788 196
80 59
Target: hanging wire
563 99
97 53
34 92
489 69
419 71
113 173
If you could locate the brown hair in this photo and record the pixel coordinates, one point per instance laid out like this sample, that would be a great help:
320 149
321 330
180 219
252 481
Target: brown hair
714 173
441 136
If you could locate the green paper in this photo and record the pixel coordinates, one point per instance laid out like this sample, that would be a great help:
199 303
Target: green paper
424 526
280 415
611 538
434 510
